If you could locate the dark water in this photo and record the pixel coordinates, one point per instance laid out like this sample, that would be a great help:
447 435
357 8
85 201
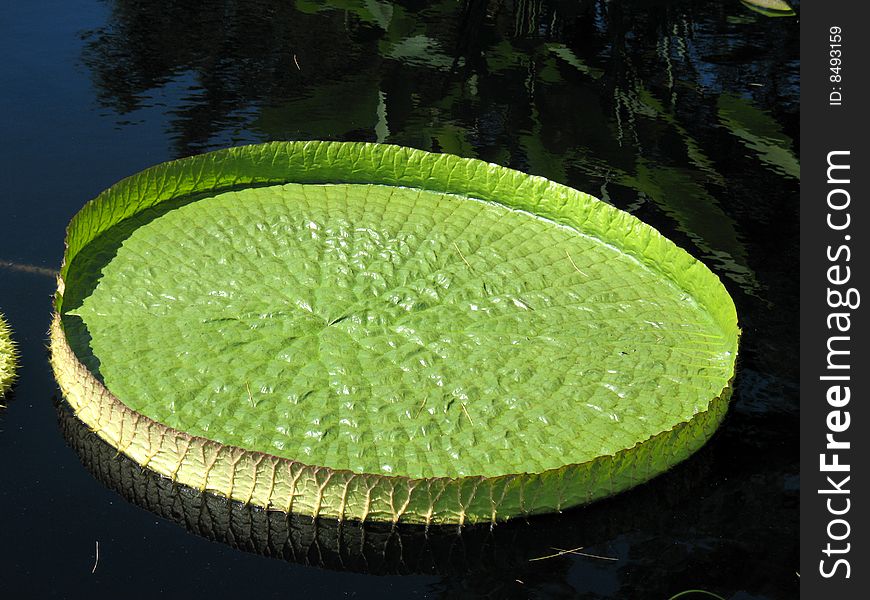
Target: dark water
684 113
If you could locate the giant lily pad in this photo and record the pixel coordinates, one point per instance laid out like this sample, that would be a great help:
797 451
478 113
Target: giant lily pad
362 331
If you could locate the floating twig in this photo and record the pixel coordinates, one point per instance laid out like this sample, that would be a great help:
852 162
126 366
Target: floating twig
575 265
96 558
296 61
461 256
420 408
576 551
465 410
25 268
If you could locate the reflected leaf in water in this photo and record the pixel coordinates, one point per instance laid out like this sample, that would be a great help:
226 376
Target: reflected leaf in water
372 11
418 50
540 160
567 55
325 114
454 140
759 132
697 156
502 56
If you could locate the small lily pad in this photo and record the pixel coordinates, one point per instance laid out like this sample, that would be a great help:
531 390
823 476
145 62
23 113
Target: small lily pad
770 8
8 357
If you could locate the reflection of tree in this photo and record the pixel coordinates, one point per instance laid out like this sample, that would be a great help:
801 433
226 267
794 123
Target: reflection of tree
230 58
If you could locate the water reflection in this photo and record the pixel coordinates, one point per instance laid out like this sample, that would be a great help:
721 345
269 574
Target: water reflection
598 548
636 103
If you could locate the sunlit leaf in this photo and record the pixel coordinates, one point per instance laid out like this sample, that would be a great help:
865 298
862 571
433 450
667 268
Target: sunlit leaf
372 332
373 11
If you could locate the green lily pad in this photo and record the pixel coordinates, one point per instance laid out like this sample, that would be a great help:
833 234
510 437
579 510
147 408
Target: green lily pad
770 8
372 332
8 357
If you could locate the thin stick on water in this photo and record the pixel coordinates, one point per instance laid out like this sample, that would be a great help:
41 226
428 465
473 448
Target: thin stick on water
576 551
97 558
296 61
25 268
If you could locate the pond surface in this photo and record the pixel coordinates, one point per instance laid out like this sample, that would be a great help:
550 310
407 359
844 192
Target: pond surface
683 113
